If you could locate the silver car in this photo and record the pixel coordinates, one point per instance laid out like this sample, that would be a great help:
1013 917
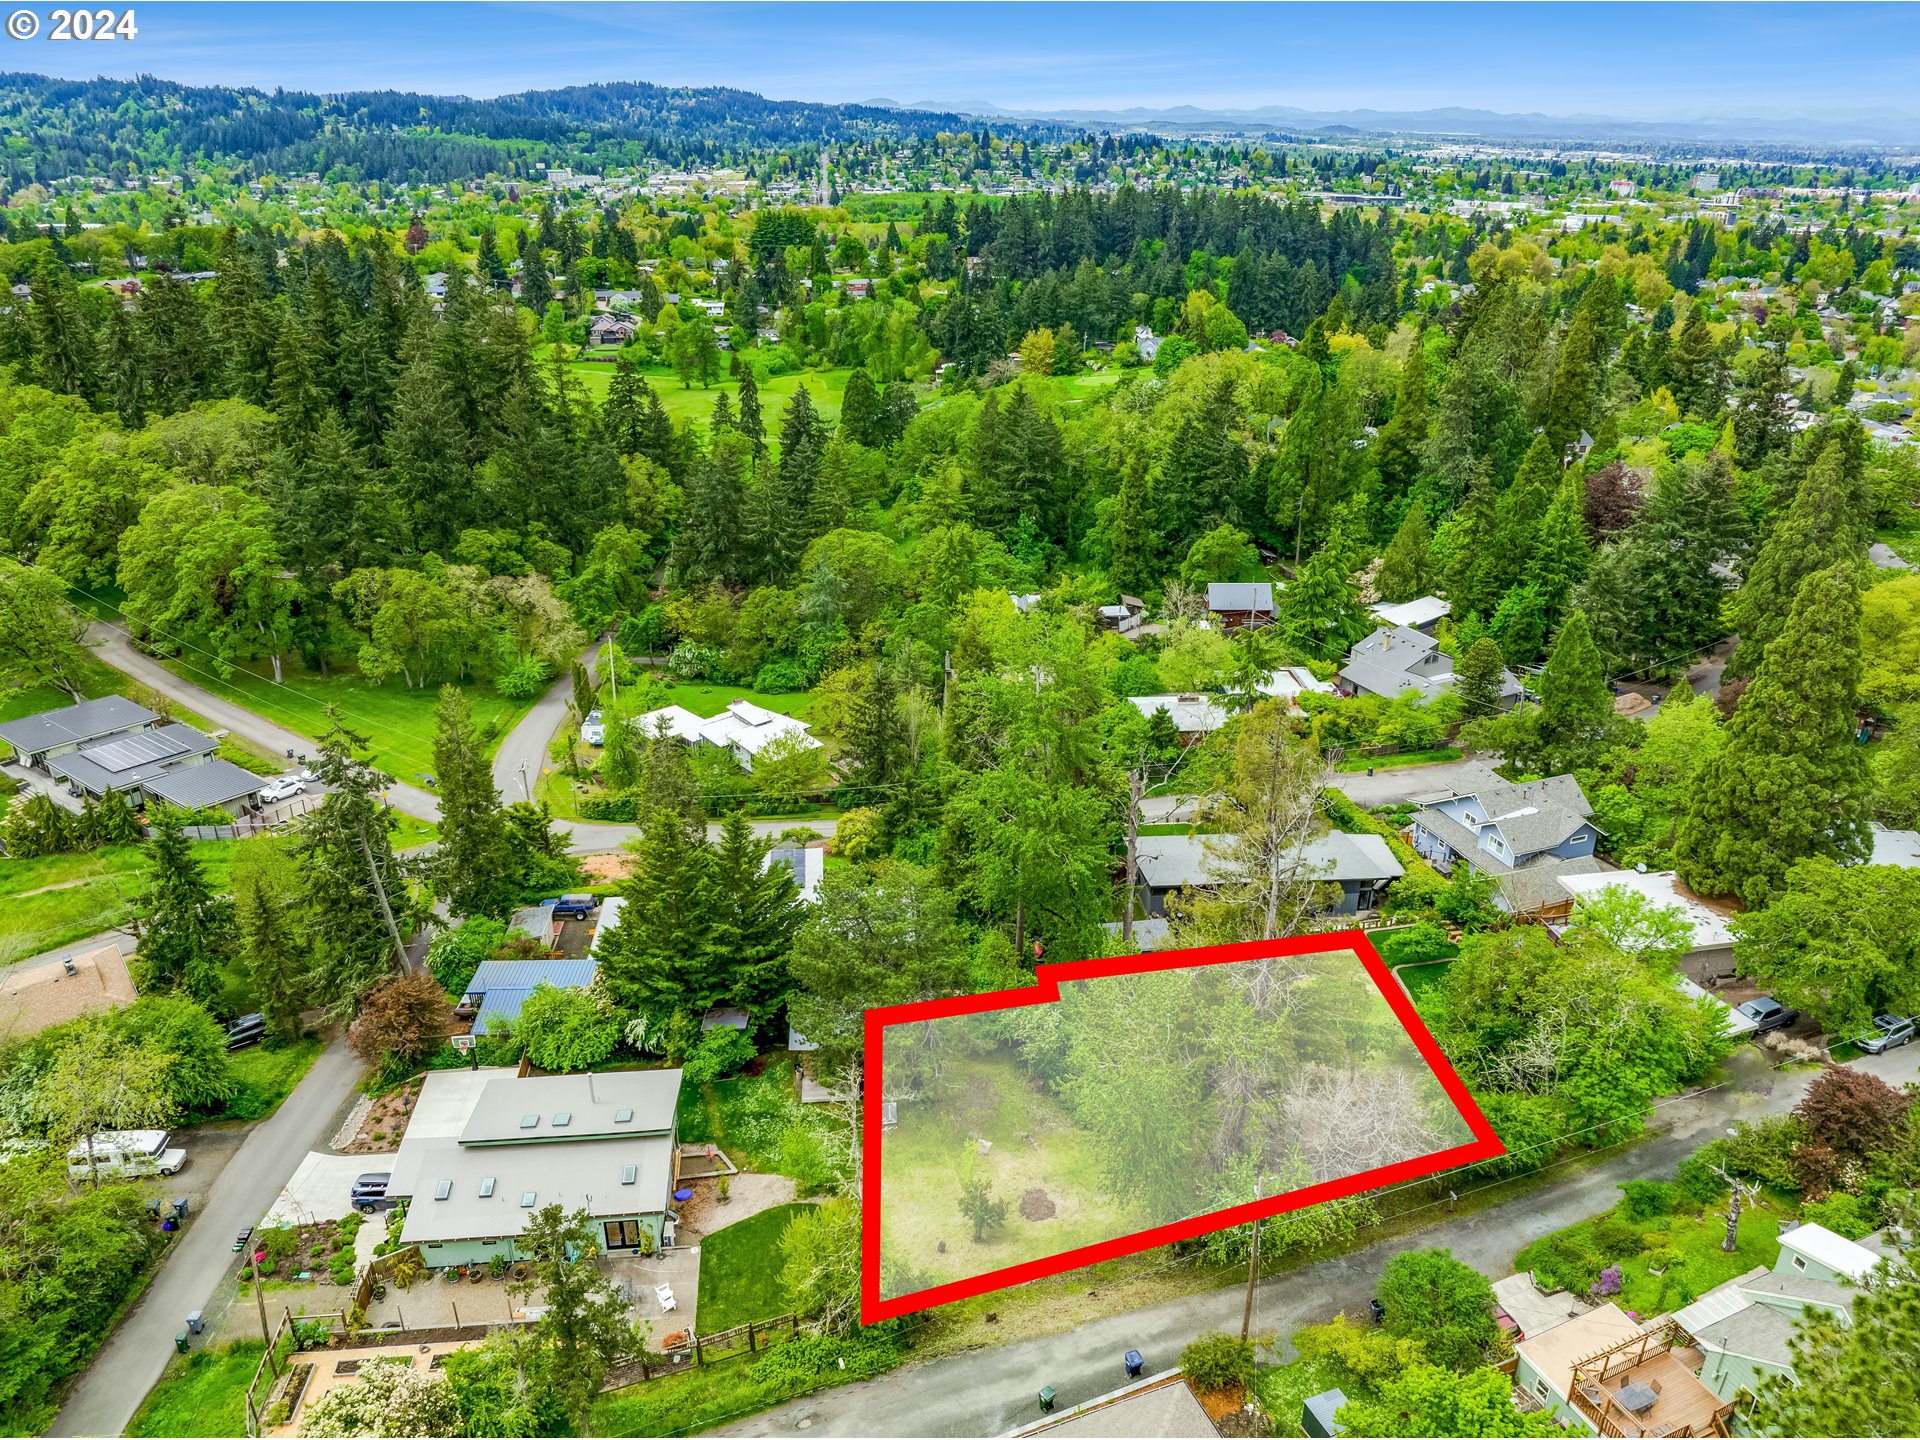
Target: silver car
1886 1032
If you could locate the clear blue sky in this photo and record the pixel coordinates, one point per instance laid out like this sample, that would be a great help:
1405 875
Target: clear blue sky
1653 61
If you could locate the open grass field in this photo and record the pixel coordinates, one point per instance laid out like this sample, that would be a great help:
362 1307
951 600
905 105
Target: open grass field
396 720
696 403
740 1271
57 899
1036 1146
203 1393
268 1076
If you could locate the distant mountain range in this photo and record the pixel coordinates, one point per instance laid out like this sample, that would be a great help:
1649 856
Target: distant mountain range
1875 128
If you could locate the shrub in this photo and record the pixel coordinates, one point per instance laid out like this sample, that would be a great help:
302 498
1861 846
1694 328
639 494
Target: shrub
1843 1214
527 680
1218 1361
616 806
721 1051
1695 1180
1645 1199
807 1361
1615 1239
1607 1284
779 677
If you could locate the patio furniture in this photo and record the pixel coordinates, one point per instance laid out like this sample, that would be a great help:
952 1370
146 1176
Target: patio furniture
1636 1397
665 1292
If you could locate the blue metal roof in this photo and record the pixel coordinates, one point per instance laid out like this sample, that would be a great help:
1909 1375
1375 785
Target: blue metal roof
502 986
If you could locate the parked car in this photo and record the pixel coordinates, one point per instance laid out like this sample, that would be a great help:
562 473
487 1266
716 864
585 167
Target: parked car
370 1192
593 729
117 1153
574 907
247 1030
1886 1032
285 788
1767 1014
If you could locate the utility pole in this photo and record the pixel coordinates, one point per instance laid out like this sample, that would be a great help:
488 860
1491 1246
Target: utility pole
1253 1271
259 1295
1133 854
386 910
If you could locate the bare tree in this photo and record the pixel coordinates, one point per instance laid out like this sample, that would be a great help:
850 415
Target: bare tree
1344 1119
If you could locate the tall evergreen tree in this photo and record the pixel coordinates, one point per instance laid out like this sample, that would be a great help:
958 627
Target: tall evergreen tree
752 423
1822 527
1576 703
352 890
860 413
186 931
1406 568
656 960
1476 679
1133 536
1559 558
473 868
275 956
1403 438
756 911
1790 781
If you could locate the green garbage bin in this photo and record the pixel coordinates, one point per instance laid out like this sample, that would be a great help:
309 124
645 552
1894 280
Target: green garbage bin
180 1342
1046 1398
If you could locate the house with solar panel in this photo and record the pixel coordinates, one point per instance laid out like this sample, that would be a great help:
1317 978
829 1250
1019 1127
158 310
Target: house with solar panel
485 1151
113 744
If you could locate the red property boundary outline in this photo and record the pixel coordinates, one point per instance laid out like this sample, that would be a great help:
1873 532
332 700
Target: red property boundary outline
1485 1145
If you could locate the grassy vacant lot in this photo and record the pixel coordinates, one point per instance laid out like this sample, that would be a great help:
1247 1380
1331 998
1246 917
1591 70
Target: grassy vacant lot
740 1271
1687 1247
776 391
268 1076
57 899
397 721
1036 1146
203 1393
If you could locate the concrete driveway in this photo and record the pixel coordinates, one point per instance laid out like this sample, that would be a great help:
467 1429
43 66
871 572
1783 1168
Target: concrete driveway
1391 787
322 1188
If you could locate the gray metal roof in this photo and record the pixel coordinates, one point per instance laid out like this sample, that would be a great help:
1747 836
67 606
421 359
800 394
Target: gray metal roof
198 786
592 1104
1170 861
1234 595
578 1174
502 986
88 720
127 761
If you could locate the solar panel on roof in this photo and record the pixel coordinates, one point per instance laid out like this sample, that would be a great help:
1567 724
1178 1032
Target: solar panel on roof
131 750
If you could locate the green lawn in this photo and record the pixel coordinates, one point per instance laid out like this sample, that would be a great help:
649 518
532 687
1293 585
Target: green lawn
397 721
203 1393
1423 984
740 1272
1903 540
1404 760
707 700
57 899
1036 1146
268 1076
696 404
1687 1245
754 1119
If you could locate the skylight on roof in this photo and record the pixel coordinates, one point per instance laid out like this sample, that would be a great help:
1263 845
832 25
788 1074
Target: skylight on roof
562 1117
443 1190
526 1199
527 1122
623 1117
629 1174
486 1186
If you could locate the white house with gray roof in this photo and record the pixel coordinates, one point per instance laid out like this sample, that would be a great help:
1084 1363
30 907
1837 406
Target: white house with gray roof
1526 835
605 1143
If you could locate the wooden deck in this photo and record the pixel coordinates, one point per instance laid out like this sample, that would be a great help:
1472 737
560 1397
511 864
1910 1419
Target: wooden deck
1682 1406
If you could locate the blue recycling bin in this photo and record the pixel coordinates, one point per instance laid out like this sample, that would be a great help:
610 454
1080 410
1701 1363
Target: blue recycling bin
1135 1364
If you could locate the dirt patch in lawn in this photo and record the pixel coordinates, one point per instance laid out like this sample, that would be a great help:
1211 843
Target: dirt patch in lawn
602 868
1036 1204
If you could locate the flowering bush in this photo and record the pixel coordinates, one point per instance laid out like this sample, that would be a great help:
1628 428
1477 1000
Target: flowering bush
1607 1284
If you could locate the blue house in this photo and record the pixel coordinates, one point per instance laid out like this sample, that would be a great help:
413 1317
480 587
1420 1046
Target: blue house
1524 835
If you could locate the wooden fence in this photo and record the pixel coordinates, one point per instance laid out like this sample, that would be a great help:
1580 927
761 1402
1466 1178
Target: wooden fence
749 1339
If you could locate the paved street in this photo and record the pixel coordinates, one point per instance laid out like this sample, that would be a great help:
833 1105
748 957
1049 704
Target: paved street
107 1393
989 1391
113 646
120 939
